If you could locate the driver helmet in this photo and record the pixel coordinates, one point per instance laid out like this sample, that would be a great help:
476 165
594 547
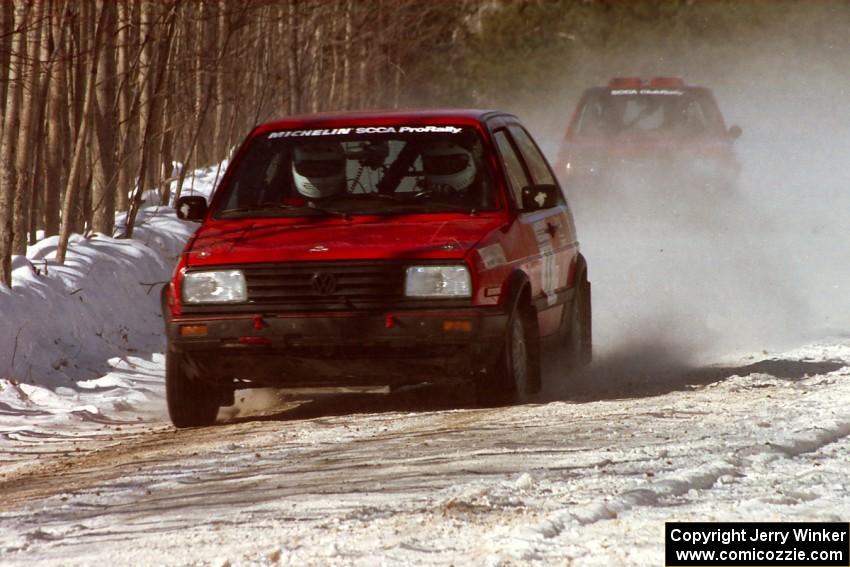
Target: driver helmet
448 164
318 170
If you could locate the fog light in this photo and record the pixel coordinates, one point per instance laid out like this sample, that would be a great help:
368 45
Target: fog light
462 325
193 330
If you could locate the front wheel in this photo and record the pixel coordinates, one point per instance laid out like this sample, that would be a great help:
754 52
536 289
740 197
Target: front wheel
191 403
515 375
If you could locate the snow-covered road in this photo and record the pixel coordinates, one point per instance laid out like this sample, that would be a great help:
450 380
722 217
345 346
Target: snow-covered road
588 479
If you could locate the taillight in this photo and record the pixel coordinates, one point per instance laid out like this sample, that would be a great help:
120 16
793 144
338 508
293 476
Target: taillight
625 83
667 82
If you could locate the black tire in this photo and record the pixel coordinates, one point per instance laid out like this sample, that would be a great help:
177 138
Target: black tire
515 376
191 403
578 346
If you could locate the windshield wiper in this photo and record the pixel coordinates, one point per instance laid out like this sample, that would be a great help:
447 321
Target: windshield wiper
454 207
427 204
314 207
388 197
282 206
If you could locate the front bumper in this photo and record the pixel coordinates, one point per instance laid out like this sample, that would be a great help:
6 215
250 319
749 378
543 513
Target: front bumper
340 348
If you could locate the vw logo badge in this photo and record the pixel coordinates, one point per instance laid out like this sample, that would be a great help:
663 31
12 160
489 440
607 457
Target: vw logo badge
323 283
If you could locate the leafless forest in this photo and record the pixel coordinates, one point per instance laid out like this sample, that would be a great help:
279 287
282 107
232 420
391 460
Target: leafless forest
102 97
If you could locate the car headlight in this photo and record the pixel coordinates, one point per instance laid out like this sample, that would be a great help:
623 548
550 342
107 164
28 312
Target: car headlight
225 286
437 281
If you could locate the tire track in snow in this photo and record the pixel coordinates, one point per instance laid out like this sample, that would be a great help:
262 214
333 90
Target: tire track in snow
529 542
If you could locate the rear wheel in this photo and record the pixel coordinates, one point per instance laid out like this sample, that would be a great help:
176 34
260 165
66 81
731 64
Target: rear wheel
191 403
579 329
515 376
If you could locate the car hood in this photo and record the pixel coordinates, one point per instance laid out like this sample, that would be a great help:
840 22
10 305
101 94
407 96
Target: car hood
642 143
303 240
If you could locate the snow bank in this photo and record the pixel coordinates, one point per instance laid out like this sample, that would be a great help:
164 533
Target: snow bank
61 324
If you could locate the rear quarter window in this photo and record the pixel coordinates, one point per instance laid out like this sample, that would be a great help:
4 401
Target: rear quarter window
533 156
515 173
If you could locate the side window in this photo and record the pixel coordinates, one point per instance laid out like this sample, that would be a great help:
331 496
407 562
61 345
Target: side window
691 120
261 176
517 179
533 158
591 119
713 119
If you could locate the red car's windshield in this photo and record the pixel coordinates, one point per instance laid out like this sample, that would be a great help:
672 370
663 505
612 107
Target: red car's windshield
360 170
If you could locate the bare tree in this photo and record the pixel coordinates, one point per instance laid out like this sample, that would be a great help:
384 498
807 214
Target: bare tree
7 29
8 176
25 142
38 184
57 126
153 109
71 189
105 116
125 97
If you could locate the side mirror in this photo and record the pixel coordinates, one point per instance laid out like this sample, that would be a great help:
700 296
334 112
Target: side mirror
193 208
538 197
735 132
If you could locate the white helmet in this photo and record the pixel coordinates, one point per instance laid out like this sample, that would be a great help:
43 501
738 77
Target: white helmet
318 170
448 164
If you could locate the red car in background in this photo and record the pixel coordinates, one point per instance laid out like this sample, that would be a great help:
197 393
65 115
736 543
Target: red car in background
376 248
659 130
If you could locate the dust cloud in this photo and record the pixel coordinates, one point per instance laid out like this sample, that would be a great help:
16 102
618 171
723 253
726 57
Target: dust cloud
683 276
253 401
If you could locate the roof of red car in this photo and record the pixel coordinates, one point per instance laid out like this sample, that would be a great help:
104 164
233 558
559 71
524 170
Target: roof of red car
381 117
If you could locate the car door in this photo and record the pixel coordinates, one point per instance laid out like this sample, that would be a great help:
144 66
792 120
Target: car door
549 233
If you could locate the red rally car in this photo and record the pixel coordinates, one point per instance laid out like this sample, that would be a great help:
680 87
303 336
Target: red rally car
376 248
661 130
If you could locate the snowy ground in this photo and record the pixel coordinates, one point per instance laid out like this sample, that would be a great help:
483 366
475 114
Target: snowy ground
587 480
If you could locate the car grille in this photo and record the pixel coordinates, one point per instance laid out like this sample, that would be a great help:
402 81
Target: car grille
324 284
331 286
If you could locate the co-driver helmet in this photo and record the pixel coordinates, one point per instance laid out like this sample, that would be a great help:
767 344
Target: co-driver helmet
448 164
